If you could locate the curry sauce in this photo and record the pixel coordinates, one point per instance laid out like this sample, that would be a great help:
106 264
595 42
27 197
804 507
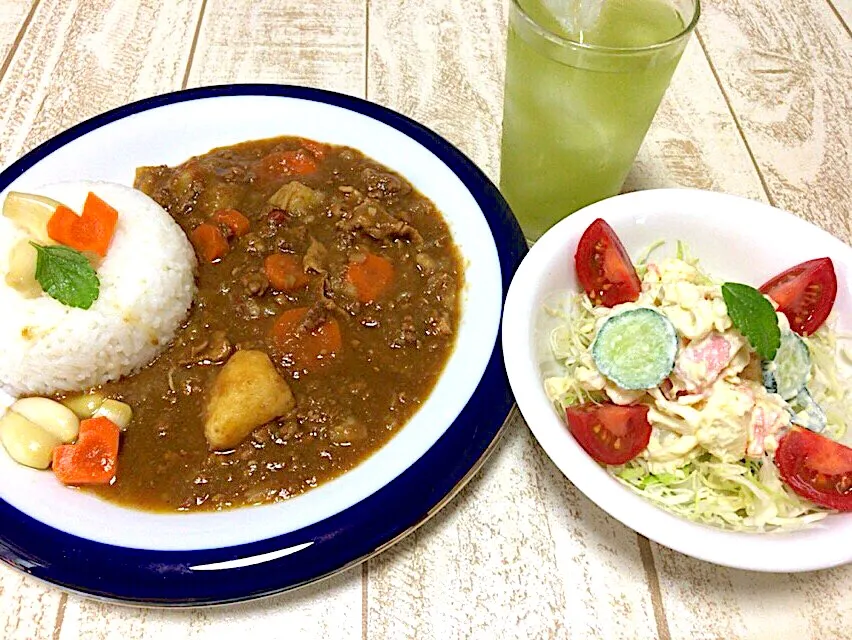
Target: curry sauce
364 256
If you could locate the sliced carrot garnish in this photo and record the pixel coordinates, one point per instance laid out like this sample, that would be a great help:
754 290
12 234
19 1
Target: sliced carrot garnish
371 278
209 242
94 457
60 227
284 272
306 349
91 231
234 220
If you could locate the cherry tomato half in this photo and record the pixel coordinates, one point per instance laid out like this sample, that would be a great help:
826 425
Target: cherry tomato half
816 468
610 433
804 293
604 268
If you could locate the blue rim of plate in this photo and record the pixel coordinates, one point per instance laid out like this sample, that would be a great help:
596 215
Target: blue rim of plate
172 578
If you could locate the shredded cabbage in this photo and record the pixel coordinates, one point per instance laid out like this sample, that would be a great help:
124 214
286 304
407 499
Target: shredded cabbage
743 496
828 385
681 475
569 344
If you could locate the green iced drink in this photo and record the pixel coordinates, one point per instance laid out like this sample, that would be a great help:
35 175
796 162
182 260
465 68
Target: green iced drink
579 102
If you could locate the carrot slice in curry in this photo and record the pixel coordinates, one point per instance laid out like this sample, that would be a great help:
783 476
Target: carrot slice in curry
209 242
93 459
371 278
306 348
234 220
286 163
284 272
318 149
90 231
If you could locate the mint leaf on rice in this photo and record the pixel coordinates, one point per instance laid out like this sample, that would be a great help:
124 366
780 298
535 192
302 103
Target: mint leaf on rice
66 275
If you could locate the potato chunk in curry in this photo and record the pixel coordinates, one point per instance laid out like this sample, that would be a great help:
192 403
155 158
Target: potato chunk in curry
295 198
247 393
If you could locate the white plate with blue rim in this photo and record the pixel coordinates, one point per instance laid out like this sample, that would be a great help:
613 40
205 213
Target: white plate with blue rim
103 550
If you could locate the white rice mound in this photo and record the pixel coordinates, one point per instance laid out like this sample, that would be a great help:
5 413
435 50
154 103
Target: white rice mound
147 285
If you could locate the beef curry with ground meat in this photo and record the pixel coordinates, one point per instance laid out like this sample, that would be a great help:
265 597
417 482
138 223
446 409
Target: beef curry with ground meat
327 305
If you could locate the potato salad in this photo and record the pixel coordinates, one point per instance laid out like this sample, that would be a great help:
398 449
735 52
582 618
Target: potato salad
712 399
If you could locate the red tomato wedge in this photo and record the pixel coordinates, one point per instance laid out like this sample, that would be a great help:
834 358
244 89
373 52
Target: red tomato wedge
805 294
604 268
816 468
610 433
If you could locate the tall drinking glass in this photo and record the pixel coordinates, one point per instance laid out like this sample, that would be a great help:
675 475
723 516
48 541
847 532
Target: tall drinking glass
583 81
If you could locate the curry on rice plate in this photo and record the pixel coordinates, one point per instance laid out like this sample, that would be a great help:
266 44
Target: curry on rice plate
310 322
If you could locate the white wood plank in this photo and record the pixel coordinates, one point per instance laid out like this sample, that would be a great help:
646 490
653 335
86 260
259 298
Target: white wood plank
844 10
787 71
329 609
29 610
442 63
705 601
78 59
317 43
13 13
693 141
518 554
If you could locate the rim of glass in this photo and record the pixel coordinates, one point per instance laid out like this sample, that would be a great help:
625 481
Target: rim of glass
564 40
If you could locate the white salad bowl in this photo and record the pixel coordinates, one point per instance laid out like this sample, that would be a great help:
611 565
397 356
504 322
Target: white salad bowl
734 239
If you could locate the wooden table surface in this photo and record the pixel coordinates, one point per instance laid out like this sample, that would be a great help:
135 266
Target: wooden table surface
760 106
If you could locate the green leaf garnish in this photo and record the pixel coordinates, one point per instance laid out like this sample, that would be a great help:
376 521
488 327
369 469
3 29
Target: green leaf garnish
754 317
66 275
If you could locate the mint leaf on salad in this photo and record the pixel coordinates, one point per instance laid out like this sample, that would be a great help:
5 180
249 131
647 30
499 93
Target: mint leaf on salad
66 275
754 317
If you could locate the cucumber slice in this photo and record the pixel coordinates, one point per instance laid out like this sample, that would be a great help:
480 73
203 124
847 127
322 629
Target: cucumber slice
807 413
770 382
636 349
788 373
